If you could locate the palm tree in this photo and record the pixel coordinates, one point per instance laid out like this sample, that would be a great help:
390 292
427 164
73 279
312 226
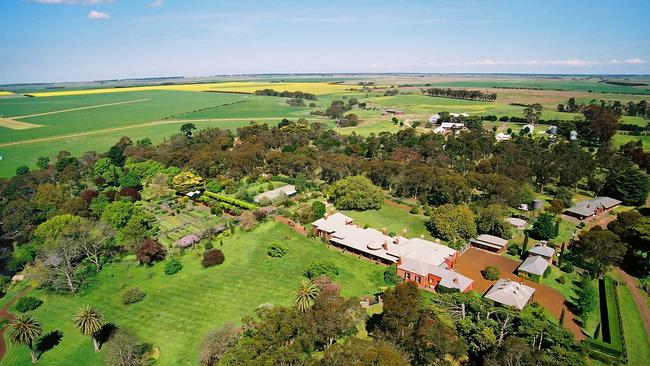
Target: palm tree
306 294
24 331
88 322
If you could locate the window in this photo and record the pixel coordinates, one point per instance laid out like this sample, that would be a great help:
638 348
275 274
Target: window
408 276
417 279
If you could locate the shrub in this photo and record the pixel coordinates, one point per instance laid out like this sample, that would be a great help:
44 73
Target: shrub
208 245
149 251
491 273
276 250
513 250
415 209
320 268
173 266
544 227
390 276
28 303
561 280
212 257
547 272
188 241
132 295
567 267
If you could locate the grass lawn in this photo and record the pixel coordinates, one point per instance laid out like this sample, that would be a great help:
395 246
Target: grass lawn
179 310
393 219
636 339
568 288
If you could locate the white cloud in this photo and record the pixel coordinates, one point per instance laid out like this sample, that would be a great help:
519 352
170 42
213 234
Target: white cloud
156 3
532 62
94 14
73 2
629 61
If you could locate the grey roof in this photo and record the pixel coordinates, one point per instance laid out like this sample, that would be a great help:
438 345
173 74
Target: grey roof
288 190
543 250
490 241
516 222
589 208
510 293
534 264
418 255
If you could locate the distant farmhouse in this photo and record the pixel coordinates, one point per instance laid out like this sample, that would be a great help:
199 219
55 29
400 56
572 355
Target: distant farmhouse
288 190
592 208
423 262
502 137
448 127
393 111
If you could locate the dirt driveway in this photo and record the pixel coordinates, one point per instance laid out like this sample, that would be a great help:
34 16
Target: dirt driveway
474 260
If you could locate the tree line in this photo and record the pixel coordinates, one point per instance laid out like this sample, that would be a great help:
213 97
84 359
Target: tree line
285 94
630 108
460 94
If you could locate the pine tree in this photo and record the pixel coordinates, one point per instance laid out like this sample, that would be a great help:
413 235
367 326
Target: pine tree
524 247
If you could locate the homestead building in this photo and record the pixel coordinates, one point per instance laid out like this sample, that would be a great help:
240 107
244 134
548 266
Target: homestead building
592 208
423 262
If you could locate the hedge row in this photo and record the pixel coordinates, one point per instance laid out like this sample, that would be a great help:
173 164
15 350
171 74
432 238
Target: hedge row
230 200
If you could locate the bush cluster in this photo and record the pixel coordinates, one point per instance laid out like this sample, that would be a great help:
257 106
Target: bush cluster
28 303
212 257
491 273
173 266
277 250
320 268
132 295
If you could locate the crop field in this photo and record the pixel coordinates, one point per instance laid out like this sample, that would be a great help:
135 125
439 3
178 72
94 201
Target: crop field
232 87
94 118
565 84
179 310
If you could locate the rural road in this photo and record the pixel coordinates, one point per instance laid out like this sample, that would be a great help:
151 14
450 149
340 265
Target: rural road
639 300
147 124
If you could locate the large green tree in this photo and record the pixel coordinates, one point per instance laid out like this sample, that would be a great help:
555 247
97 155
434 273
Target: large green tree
452 223
544 227
601 249
356 193
630 185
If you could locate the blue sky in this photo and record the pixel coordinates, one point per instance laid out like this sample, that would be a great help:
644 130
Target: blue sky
76 40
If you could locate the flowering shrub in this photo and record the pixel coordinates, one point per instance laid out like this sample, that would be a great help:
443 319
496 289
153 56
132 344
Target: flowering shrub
188 241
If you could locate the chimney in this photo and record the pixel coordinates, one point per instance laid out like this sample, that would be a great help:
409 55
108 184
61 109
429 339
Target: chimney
397 240
385 245
399 261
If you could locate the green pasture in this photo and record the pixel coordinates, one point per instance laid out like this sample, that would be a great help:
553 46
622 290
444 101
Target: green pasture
179 310
636 338
578 84
393 219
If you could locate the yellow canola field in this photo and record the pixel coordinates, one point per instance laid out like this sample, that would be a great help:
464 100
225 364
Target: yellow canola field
235 87
3 93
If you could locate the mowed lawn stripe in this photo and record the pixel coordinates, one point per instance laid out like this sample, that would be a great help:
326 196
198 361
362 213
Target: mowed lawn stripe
178 310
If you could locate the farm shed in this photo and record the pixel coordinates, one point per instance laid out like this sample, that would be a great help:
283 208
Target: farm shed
510 293
490 243
288 190
592 208
533 267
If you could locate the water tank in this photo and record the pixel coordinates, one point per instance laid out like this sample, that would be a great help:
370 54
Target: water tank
538 204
